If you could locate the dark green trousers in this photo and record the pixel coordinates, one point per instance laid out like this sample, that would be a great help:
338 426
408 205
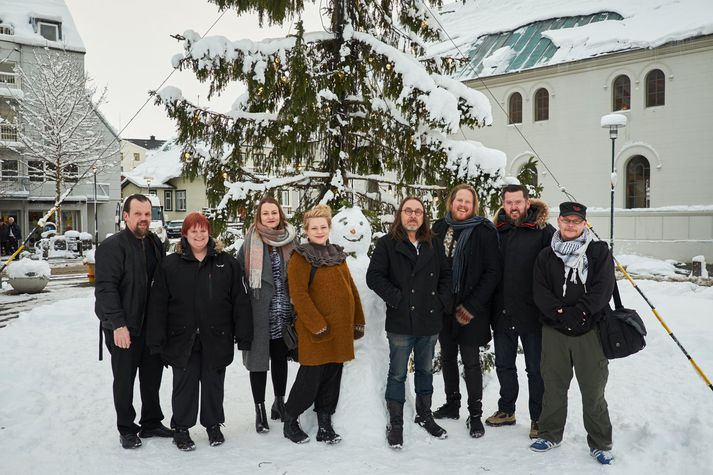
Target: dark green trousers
561 354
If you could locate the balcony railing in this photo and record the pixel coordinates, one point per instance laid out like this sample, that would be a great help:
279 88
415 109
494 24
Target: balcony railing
9 79
8 132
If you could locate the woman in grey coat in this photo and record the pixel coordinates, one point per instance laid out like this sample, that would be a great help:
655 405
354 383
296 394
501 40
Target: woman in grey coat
263 257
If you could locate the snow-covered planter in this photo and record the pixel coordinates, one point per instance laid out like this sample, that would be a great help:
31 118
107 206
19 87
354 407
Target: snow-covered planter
28 276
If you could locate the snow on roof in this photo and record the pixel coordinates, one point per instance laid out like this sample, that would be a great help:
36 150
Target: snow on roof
577 29
21 16
161 166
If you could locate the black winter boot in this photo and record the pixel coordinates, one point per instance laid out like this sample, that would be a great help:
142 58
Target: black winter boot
325 432
395 429
451 409
278 409
475 427
183 440
424 418
261 425
292 430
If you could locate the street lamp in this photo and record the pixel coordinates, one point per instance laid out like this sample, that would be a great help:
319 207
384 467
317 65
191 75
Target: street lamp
148 180
96 220
612 122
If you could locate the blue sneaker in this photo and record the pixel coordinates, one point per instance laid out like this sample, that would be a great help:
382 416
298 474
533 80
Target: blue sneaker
543 445
604 457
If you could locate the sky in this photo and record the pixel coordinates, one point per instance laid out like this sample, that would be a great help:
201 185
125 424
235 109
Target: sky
129 52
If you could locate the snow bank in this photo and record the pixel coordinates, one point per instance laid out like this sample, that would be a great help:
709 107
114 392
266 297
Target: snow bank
65 391
641 265
28 268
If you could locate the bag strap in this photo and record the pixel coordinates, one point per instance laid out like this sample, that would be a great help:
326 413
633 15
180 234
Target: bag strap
312 271
617 298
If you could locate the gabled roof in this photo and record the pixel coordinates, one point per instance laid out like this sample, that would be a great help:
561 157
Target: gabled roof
504 36
21 15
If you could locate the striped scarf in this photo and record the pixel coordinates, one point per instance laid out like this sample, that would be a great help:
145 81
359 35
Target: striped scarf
255 238
574 257
466 228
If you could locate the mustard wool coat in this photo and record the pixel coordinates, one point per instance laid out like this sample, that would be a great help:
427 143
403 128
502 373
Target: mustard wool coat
331 301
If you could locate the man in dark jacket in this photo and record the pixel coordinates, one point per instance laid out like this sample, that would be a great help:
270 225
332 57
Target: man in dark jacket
199 308
524 231
14 236
125 266
470 244
573 282
4 231
409 272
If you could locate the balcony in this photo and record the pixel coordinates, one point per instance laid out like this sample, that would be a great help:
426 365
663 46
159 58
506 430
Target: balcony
8 133
10 85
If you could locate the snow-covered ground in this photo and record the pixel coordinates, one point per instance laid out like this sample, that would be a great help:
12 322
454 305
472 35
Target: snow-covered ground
56 412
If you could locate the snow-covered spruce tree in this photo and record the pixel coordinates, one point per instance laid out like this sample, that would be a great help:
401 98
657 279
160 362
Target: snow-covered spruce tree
59 126
359 101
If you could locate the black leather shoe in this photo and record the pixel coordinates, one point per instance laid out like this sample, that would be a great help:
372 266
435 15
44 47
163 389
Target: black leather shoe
130 441
160 431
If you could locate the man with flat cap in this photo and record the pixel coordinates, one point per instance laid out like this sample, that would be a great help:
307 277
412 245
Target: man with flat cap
572 284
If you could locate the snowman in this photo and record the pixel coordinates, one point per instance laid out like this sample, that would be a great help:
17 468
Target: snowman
362 411
352 231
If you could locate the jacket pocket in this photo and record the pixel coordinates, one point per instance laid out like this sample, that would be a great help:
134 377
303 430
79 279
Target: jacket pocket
221 331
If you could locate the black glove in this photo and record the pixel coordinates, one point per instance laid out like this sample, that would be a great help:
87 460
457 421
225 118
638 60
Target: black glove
573 317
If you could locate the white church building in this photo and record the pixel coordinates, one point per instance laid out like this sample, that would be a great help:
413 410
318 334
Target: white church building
552 69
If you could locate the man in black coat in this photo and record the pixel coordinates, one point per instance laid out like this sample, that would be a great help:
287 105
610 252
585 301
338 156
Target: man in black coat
4 231
573 283
199 308
409 272
125 266
14 236
524 231
470 244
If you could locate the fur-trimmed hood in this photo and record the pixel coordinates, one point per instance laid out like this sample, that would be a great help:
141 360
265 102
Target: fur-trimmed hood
537 216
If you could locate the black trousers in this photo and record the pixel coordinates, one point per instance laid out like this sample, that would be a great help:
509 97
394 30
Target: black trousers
470 355
278 371
315 384
124 365
187 382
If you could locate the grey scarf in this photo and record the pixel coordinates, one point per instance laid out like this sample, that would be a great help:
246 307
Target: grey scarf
320 256
574 256
465 227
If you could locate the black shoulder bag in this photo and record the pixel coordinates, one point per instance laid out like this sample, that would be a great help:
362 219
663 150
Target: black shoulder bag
622 330
289 333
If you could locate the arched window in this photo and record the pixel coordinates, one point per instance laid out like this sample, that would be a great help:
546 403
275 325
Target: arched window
638 182
655 88
621 93
542 104
515 108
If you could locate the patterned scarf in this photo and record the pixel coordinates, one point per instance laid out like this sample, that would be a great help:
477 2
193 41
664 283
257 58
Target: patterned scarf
574 257
256 237
465 227
321 256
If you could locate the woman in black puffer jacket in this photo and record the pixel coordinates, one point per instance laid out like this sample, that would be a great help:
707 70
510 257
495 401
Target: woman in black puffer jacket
199 307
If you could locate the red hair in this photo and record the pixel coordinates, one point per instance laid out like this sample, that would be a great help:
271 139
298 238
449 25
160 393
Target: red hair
194 219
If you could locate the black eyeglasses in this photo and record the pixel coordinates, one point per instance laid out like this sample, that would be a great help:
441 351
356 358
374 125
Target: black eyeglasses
412 212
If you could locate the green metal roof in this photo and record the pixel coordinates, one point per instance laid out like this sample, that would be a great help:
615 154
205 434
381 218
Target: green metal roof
530 48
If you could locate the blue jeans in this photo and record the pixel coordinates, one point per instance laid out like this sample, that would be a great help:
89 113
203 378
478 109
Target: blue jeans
400 347
505 355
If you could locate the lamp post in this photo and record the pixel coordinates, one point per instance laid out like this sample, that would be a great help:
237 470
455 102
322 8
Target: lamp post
148 180
96 219
613 122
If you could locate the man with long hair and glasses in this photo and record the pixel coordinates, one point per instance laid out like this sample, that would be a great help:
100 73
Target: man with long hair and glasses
408 270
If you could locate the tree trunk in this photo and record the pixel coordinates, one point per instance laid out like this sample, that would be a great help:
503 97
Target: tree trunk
57 195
